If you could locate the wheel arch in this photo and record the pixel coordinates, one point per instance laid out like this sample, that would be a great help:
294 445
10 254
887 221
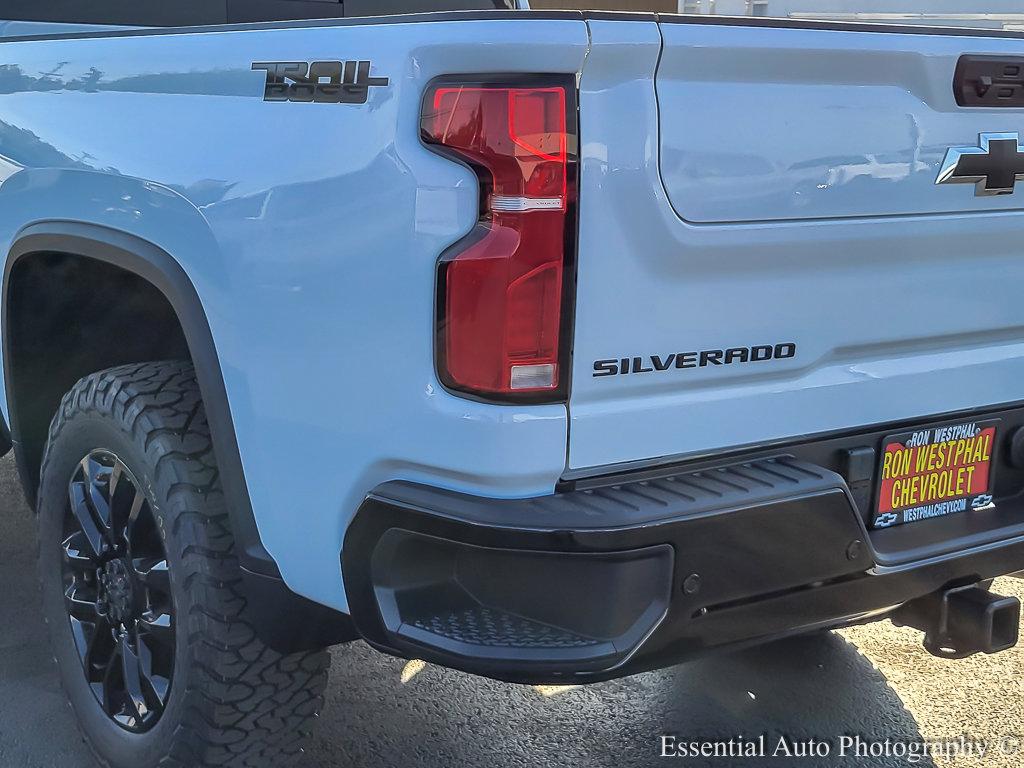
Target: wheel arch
308 624
159 269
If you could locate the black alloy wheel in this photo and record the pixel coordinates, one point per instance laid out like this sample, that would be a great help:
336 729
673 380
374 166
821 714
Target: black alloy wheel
117 592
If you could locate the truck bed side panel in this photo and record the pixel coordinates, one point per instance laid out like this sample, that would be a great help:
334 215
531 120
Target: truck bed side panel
327 221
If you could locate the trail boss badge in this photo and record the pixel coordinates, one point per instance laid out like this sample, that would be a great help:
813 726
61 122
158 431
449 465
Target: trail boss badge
323 82
994 166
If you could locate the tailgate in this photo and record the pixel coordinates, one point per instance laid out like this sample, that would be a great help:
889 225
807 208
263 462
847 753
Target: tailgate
764 252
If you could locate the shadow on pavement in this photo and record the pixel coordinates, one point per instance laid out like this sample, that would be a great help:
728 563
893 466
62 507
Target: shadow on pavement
816 687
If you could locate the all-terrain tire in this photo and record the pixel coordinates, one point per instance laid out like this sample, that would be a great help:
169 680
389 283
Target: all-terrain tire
232 701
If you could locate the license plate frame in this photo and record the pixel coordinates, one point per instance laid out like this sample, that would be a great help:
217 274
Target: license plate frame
935 472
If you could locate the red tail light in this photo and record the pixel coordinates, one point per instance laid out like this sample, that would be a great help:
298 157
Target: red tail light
502 291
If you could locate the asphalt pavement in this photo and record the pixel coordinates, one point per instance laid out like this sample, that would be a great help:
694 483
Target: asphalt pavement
872 684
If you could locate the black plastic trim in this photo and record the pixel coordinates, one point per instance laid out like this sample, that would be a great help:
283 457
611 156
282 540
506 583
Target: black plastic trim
776 545
989 81
129 12
778 525
647 16
288 622
638 502
355 8
434 17
853 454
522 15
180 13
471 600
835 26
159 268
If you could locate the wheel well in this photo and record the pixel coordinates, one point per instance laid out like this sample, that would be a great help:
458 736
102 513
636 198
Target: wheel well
68 316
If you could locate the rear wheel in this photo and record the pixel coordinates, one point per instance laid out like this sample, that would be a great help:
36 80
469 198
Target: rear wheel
117 592
142 591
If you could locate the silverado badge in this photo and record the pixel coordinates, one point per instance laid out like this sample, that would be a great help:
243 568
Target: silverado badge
993 166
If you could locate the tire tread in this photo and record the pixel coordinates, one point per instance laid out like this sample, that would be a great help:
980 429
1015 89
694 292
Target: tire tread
246 706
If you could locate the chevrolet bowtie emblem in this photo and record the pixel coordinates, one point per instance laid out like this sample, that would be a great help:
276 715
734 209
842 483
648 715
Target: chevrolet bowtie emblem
993 167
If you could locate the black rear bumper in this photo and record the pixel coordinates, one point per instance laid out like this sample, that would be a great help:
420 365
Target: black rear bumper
598 583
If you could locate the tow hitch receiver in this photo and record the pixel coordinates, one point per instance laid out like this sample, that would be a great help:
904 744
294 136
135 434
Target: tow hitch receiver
963 621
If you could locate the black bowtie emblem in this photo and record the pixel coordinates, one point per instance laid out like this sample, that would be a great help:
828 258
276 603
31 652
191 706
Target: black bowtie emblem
993 167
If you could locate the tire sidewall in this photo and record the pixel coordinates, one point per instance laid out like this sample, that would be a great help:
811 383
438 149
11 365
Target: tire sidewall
84 431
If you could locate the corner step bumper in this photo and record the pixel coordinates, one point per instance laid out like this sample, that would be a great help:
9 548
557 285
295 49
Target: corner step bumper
598 583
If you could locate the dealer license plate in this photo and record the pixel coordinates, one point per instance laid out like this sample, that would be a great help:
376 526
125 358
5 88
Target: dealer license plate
936 472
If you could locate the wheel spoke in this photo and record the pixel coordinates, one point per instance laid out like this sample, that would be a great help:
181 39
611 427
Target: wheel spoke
137 503
111 699
140 534
156 686
115 478
82 608
125 502
82 511
78 552
83 636
100 647
97 476
159 627
132 674
154 575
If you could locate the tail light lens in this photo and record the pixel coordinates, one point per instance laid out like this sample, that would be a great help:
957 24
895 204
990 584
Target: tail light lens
503 290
